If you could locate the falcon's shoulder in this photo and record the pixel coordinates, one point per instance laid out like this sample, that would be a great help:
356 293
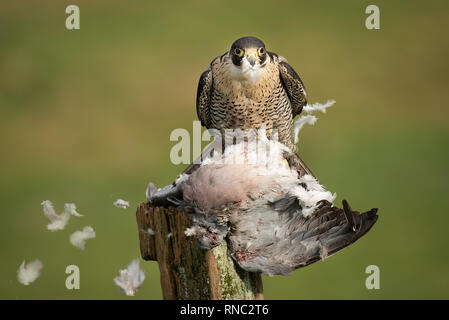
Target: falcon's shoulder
292 84
204 92
203 96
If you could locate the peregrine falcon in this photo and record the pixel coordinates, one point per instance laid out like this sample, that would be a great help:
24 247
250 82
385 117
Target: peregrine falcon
249 87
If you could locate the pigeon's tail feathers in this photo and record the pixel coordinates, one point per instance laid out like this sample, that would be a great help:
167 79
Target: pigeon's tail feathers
165 197
332 229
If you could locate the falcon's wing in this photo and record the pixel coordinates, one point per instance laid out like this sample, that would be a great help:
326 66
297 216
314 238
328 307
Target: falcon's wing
203 97
293 85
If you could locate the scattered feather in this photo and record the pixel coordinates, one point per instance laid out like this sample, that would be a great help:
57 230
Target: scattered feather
58 222
30 272
189 232
318 107
309 119
148 231
78 238
70 208
130 279
120 203
300 123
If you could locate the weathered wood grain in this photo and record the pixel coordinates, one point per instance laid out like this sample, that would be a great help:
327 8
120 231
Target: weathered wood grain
186 271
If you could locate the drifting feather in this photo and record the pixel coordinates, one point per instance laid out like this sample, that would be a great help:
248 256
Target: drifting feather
309 119
70 208
58 222
49 210
120 203
318 107
78 238
130 279
30 272
300 123
189 232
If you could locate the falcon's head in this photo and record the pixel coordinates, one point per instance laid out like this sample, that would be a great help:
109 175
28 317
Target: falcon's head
249 56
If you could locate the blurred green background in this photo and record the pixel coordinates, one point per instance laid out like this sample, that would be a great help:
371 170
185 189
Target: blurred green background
85 117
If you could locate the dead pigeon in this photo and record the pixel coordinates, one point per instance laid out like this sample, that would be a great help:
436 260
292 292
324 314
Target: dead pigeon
273 219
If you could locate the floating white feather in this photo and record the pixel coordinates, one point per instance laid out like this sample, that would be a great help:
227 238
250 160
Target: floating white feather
70 208
120 203
318 106
58 222
189 232
300 123
130 279
79 238
309 119
30 272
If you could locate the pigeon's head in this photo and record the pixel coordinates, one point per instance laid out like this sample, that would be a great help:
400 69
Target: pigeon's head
209 233
208 241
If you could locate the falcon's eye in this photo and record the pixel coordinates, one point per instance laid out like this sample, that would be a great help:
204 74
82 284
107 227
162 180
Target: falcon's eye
238 52
261 51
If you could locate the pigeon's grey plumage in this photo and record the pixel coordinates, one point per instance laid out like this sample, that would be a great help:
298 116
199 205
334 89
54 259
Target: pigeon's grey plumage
273 220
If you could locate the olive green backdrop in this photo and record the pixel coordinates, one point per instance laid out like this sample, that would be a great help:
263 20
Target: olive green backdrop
85 117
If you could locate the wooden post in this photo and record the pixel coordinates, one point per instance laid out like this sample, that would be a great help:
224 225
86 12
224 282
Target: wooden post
187 272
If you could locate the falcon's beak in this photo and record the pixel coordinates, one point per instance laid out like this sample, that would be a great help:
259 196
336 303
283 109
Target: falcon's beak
251 56
252 61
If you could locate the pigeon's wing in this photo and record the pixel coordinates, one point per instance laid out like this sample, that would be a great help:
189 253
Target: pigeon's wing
331 229
299 241
203 97
293 85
